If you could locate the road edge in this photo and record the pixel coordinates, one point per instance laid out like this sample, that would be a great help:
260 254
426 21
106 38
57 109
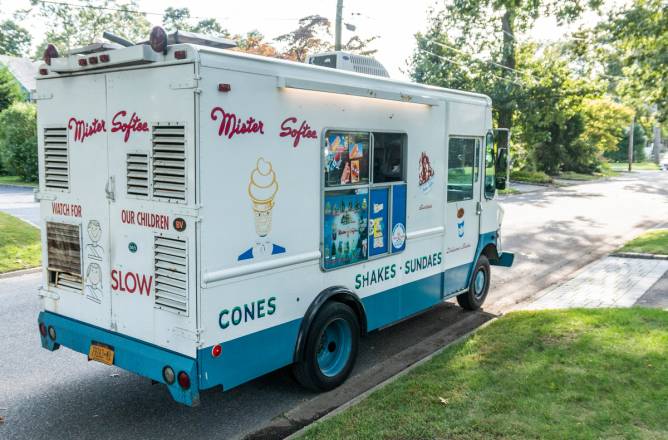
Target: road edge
20 272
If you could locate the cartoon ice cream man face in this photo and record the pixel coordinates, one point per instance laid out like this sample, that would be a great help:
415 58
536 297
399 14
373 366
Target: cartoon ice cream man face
262 190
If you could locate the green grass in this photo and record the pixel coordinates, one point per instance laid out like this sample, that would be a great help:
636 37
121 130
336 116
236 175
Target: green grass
569 374
15 180
20 246
530 177
650 242
572 175
640 166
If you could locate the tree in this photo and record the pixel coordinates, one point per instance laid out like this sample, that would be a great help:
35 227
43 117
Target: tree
18 140
75 26
639 35
550 124
490 26
311 36
14 39
10 91
253 42
314 35
179 19
605 123
620 153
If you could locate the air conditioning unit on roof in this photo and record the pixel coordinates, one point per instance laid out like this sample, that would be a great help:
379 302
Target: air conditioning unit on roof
348 61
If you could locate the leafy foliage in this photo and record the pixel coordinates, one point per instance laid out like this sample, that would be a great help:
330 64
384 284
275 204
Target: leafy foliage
69 27
312 35
620 153
10 91
18 140
14 39
179 19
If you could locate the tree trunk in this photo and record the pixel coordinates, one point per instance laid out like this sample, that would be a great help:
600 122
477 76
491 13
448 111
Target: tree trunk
506 108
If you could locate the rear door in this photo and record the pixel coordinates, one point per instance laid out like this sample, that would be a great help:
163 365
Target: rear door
153 225
73 158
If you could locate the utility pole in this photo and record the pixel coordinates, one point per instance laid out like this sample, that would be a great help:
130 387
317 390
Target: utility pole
630 149
339 13
656 151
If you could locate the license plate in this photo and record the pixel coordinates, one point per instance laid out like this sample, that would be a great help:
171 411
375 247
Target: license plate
101 353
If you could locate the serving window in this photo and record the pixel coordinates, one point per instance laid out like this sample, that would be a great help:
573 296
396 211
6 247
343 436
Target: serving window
364 196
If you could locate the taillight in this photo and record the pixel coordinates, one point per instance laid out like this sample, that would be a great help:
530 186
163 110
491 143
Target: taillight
92 60
168 375
180 54
52 333
83 62
184 380
216 350
223 87
104 58
42 329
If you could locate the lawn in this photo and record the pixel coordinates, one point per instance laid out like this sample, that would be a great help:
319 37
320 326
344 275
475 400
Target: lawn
640 166
508 191
568 374
15 180
650 242
20 246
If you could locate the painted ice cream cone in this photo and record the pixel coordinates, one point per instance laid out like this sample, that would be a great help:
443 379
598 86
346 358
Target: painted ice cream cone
262 190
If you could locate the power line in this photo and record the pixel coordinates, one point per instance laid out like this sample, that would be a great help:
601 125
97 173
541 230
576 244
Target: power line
460 63
476 58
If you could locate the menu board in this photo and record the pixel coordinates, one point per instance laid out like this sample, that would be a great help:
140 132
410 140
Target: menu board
345 227
346 158
378 221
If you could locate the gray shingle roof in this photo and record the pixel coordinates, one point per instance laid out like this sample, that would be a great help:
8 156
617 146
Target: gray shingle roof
23 69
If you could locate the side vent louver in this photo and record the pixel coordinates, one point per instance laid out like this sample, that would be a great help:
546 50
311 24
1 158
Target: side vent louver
169 162
171 274
137 174
56 159
64 255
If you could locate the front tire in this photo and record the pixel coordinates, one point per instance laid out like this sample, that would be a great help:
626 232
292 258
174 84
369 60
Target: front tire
331 348
473 298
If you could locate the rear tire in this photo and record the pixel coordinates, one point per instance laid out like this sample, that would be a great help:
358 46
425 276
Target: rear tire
473 298
331 348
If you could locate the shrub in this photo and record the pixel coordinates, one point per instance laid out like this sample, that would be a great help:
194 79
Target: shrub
18 140
530 176
10 91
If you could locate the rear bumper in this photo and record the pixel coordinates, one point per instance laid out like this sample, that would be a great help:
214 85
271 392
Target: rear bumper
130 354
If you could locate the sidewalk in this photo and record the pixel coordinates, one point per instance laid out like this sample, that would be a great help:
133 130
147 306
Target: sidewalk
609 282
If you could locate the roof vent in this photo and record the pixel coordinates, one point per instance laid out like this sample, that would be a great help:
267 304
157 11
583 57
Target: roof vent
348 61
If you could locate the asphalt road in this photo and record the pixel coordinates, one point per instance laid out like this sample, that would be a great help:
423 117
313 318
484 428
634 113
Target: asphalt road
20 202
61 395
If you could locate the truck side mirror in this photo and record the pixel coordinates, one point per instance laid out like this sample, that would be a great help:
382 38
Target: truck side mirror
501 167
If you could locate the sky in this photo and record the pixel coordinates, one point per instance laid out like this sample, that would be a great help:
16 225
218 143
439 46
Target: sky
395 25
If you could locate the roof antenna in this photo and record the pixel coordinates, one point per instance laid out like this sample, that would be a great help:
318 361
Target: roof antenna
116 39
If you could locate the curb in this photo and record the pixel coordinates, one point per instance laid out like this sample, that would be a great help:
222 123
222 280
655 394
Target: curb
18 273
639 255
388 381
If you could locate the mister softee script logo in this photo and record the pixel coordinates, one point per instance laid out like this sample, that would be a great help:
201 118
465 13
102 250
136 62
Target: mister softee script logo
119 123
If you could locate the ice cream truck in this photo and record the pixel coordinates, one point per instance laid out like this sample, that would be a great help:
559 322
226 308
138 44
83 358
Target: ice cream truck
209 216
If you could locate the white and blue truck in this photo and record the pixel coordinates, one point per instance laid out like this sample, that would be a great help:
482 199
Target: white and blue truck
210 216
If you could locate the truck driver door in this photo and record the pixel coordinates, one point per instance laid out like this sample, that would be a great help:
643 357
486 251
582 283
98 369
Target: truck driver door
462 221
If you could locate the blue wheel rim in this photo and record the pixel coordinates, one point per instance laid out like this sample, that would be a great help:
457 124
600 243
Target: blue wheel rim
479 284
335 346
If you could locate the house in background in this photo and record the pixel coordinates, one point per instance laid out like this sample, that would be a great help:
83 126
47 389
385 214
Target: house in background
24 71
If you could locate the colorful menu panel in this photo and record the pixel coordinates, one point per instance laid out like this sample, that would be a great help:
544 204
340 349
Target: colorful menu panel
346 158
345 228
378 221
